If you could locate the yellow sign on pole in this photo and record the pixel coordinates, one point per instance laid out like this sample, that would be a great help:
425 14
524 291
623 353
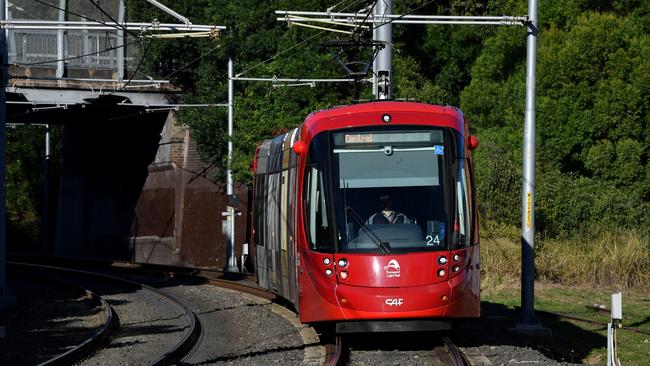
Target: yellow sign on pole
529 210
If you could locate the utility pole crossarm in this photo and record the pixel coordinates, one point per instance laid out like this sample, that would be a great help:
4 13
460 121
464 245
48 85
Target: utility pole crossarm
361 18
110 26
294 80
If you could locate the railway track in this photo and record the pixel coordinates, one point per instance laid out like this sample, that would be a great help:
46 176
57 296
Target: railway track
160 332
382 349
454 354
51 355
196 288
338 350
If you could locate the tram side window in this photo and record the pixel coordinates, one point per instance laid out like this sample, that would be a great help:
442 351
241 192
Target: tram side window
320 236
462 224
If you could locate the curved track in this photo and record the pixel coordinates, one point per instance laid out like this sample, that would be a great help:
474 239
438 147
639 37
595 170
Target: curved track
182 327
76 352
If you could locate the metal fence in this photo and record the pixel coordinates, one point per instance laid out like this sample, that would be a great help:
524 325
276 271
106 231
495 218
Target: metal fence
91 49
82 49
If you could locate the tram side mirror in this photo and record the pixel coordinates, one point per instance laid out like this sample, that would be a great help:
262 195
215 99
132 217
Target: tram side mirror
299 147
472 142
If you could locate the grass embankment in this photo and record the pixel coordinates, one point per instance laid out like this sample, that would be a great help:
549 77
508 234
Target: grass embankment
573 274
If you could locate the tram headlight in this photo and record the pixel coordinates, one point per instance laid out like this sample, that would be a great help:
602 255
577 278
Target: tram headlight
344 275
343 263
442 272
455 269
327 261
442 260
328 271
386 118
456 257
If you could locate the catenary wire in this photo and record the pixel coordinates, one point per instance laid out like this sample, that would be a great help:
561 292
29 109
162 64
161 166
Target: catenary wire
405 14
145 50
192 62
323 31
280 53
110 17
18 8
374 4
350 5
292 47
116 25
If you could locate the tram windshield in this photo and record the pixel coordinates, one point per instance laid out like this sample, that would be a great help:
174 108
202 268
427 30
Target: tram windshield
387 190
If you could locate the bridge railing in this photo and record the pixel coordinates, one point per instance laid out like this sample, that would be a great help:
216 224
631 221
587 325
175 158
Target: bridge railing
30 47
81 49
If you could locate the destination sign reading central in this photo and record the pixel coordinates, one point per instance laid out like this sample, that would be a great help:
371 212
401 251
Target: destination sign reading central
358 139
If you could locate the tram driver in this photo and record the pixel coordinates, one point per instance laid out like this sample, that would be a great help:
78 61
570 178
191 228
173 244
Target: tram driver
387 215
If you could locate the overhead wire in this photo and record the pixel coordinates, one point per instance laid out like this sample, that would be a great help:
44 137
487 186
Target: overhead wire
110 17
116 25
11 5
374 3
351 4
405 14
191 62
280 53
145 49
296 45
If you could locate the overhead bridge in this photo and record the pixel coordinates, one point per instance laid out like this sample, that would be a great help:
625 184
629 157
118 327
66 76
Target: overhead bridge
132 185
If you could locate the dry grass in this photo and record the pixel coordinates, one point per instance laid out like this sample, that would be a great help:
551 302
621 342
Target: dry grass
618 261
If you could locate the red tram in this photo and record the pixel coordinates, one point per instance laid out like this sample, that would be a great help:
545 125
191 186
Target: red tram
365 216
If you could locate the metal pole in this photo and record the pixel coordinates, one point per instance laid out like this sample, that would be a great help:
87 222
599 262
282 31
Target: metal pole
5 295
528 319
382 65
120 42
46 192
60 36
169 11
230 238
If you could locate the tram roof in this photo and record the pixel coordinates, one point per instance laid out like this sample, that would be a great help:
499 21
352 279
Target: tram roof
371 113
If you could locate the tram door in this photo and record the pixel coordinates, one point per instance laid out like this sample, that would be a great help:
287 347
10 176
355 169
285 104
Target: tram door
260 217
273 199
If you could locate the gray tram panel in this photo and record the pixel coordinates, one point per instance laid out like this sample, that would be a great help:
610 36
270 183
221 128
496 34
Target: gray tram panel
260 237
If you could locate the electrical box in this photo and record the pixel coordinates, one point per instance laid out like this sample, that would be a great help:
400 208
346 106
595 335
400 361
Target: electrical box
617 306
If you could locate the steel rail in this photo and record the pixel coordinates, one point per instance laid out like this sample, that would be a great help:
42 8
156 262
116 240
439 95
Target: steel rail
455 353
175 353
333 352
92 343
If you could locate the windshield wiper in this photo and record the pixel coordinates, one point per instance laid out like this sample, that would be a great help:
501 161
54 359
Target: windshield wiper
384 246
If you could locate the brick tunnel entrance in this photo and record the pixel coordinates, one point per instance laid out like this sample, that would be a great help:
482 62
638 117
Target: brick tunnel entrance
133 187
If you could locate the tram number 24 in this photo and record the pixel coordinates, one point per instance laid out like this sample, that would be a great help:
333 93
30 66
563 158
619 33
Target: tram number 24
433 240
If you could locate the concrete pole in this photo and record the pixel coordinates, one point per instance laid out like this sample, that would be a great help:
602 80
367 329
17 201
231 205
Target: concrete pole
230 216
528 319
60 43
5 295
382 65
120 42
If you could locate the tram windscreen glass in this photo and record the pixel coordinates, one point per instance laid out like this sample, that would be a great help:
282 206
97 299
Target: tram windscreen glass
388 189
390 167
